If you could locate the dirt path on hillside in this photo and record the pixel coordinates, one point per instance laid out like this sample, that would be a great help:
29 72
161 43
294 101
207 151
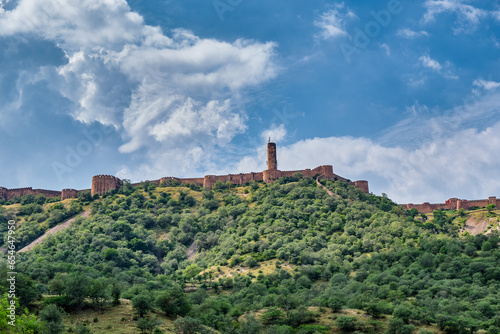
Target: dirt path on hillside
331 193
54 230
191 251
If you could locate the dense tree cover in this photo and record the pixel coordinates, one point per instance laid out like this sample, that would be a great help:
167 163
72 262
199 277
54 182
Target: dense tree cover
35 219
352 250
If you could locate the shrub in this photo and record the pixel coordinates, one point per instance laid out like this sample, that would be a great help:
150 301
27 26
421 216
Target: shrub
346 323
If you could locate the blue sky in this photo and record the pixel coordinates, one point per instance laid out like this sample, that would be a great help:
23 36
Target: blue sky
404 94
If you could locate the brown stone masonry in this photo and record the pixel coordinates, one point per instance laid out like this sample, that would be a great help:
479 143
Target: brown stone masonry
8 194
452 204
104 183
68 193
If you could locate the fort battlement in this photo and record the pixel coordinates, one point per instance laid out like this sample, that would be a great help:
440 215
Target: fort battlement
68 193
104 183
8 194
453 204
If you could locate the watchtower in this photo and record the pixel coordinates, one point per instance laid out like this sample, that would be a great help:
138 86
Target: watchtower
272 162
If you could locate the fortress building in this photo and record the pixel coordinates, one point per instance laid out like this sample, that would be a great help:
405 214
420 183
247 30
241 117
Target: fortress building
269 175
453 204
104 183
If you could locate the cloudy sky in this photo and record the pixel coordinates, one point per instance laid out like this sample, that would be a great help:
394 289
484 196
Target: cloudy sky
404 94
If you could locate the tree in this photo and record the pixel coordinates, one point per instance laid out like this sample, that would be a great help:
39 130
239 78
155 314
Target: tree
191 271
346 323
336 302
375 309
173 302
142 304
397 326
115 293
53 318
110 254
98 292
58 283
77 287
491 207
148 325
403 312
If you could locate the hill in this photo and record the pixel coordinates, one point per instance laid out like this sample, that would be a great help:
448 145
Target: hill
286 257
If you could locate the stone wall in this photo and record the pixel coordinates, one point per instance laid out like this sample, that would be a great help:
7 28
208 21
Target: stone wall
8 194
104 183
238 179
362 185
68 193
453 204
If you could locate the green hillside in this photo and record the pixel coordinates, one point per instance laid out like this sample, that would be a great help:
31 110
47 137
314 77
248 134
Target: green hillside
264 258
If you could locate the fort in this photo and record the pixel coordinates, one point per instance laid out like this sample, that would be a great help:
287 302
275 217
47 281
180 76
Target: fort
453 204
101 184
104 183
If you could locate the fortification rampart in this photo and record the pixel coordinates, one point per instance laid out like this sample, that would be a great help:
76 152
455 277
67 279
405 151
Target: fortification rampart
68 193
104 183
453 204
8 194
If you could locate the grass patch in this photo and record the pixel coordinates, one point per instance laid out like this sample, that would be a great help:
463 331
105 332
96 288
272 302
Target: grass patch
113 320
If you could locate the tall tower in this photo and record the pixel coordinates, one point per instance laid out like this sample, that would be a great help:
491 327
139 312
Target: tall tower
272 162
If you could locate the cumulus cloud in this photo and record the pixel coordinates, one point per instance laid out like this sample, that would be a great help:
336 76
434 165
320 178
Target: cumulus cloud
157 90
276 133
468 16
410 34
332 22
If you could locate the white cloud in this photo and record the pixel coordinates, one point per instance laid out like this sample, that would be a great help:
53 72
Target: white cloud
468 17
332 22
158 91
276 133
446 69
409 34
430 63
488 85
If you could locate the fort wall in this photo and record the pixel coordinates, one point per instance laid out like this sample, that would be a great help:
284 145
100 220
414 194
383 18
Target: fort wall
8 194
68 193
104 183
453 204
238 179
